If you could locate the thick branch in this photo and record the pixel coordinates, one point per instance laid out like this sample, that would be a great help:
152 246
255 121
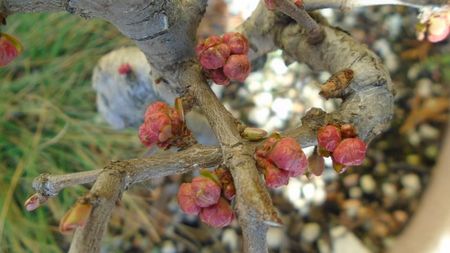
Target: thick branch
106 191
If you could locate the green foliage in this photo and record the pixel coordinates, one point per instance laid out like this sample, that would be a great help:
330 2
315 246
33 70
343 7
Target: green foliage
48 122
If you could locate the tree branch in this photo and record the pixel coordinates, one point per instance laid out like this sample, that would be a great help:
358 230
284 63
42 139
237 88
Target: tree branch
103 196
136 170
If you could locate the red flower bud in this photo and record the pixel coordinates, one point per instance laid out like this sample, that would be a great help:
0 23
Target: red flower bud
162 125
10 48
237 67
214 57
218 215
124 69
186 200
207 43
218 76
237 42
206 191
328 137
226 180
350 152
288 155
275 177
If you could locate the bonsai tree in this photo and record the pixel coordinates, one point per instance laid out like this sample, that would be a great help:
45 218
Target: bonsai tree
246 160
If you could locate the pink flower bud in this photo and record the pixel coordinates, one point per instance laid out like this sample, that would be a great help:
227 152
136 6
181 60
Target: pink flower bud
214 57
328 137
124 69
77 216
186 200
237 67
10 48
275 177
218 215
207 43
218 76
237 42
226 180
162 125
350 152
206 191
288 155
298 3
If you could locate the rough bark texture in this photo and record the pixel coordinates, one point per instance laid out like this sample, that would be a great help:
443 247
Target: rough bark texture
165 32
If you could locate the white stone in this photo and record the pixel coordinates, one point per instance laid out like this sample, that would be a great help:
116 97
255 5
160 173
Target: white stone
310 232
344 241
368 184
230 239
275 237
168 247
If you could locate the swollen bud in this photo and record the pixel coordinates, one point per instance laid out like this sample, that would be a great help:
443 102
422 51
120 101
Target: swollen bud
206 192
162 126
186 200
275 177
287 154
207 43
237 42
253 133
237 67
214 57
218 76
350 152
34 202
218 215
328 137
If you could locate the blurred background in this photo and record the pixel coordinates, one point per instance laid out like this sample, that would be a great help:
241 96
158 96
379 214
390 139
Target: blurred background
49 124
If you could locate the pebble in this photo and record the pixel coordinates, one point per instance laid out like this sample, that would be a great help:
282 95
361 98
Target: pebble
355 192
428 132
230 239
351 180
345 241
368 184
310 232
413 160
424 87
352 207
389 190
168 247
414 71
275 237
414 138
432 152
412 182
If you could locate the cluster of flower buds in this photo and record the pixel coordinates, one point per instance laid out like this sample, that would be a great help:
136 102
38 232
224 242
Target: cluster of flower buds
280 158
163 125
10 48
224 58
209 196
435 24
342 144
